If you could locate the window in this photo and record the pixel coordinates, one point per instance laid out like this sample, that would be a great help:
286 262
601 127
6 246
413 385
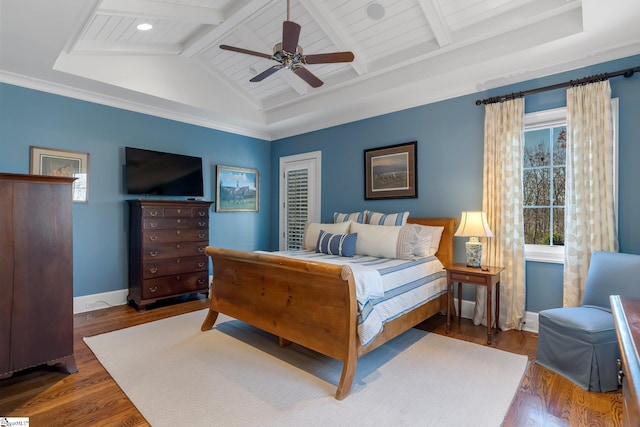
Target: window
297 212
543 176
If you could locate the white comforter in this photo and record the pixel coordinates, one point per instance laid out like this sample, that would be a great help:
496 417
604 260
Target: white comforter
385 288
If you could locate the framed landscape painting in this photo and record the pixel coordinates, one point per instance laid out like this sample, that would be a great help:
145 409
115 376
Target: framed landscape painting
53 162
237 189
390 172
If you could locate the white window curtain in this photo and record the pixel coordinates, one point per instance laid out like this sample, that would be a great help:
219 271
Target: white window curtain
590 223
502 200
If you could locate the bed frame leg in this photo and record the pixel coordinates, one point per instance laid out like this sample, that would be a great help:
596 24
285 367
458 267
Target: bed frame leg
346 380
283 342
209 321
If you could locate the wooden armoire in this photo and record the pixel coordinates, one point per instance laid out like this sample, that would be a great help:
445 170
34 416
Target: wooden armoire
36 272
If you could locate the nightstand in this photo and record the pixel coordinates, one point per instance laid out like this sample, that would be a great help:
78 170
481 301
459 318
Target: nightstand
485 276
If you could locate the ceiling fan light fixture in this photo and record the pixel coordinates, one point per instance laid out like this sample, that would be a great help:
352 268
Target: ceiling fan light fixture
145 26
375 11
288 55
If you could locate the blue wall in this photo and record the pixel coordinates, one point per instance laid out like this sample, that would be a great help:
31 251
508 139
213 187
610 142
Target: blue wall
450 152
33 118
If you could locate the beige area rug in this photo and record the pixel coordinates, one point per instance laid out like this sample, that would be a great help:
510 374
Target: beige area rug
237 375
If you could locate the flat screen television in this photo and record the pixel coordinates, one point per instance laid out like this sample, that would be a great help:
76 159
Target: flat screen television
162 174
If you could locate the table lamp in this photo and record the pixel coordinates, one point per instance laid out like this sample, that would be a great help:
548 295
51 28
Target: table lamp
473 225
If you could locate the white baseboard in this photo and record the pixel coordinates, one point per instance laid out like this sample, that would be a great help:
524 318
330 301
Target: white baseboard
103 300
530 321
97 301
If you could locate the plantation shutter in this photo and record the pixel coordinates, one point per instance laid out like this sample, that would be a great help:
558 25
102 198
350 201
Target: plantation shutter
297 208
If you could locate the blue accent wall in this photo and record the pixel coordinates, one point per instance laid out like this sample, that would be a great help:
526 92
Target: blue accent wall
34 118
450 137
450 155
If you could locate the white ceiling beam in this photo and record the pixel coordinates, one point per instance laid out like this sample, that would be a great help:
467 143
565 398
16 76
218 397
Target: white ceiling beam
206 39
433 12
335 34
214 71
110 48
161 11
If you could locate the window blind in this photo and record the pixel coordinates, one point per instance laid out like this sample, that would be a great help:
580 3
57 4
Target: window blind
297 208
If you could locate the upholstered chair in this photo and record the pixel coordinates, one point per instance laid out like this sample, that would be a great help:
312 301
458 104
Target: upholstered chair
580 343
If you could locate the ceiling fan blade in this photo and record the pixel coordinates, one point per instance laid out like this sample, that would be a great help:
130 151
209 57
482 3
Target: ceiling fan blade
307 76
248 52
266 73
290 36
326 58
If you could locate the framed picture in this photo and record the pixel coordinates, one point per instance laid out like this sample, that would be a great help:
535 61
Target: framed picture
390 172
237 189
52 162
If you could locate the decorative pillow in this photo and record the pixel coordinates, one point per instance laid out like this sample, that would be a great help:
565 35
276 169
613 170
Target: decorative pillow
336 244
376 240
312 231
359 217
378 218
417 241
436 235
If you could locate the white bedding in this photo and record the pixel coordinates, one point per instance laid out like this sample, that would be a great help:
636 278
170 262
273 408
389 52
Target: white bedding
385 288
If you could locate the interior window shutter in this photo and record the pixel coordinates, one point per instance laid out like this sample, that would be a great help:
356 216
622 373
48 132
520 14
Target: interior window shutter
297 209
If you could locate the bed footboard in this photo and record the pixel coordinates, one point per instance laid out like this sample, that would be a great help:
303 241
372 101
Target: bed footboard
299 301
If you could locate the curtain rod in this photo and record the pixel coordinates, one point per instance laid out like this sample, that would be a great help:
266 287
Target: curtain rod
585 80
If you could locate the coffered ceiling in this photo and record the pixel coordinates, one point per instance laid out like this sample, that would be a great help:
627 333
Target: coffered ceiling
407 53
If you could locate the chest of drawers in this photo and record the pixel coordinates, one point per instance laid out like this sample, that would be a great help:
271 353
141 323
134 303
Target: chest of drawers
166 249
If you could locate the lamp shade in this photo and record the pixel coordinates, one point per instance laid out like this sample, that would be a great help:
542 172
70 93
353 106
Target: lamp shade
474 224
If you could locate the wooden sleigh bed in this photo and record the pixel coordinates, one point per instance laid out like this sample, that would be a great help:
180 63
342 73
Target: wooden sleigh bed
309 303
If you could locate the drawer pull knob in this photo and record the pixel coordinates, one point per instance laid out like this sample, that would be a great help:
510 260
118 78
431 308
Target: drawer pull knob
155 288
153 270
201 281
178 278
201 264
153 238
200 249
201 236
153 224
178 221
178 261
201 213
153 253
177 231
179 210
202 224
466 278
177 246
153 213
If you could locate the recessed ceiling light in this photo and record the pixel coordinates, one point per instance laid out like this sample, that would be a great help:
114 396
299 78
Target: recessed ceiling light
375 11
144 27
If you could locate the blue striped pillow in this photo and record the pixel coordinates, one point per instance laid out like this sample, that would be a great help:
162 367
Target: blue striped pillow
358 217
336 244
377 218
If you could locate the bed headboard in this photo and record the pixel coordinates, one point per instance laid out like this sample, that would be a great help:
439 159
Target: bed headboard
445 250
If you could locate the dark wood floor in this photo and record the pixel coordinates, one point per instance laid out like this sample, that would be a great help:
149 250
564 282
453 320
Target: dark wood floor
91 398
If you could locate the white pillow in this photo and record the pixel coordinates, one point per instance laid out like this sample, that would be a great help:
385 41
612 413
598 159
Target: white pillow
377 218
436 235
417 241
376 240
312 231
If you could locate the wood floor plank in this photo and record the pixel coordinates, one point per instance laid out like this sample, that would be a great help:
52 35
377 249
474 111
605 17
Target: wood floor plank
90 397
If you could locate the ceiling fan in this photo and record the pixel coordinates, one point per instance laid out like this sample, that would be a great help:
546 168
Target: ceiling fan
289 55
